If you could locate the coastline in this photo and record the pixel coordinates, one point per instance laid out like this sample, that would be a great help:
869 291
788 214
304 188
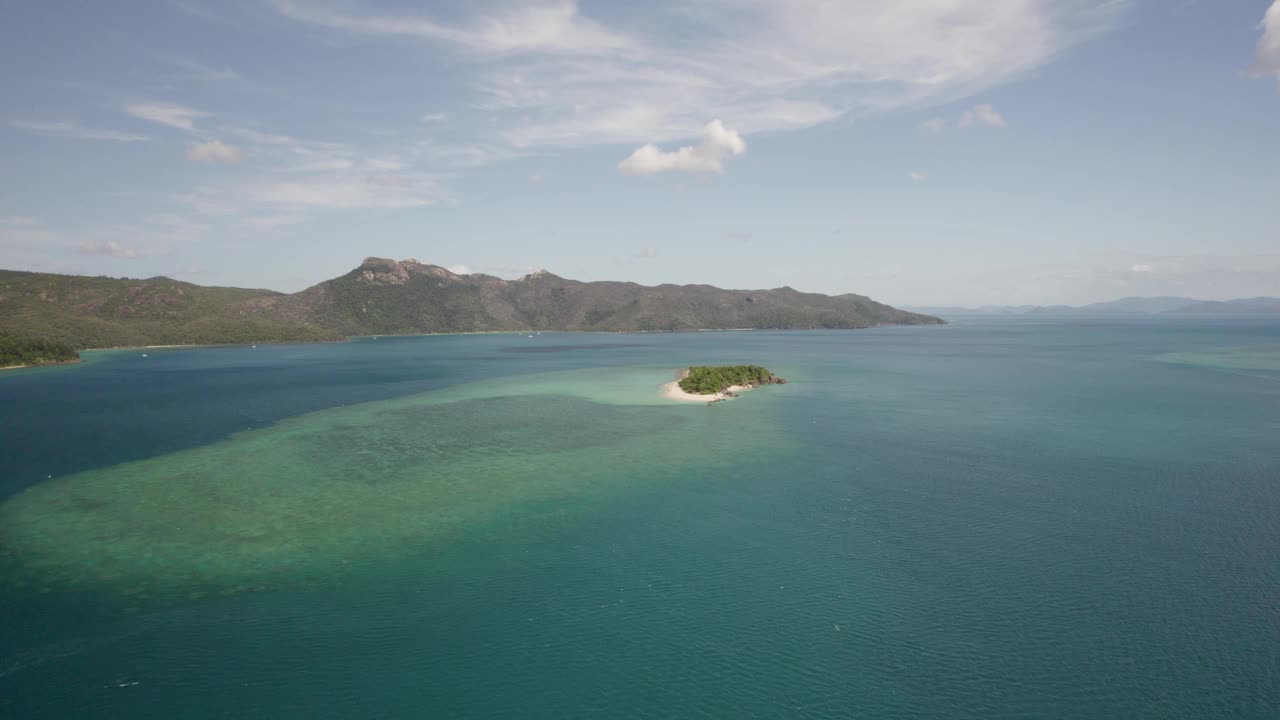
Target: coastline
36 365
672 391
349 338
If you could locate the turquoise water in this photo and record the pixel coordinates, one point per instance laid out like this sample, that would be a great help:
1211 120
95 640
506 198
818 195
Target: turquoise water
1004 518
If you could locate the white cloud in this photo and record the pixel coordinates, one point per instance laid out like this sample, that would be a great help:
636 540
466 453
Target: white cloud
646 254
168 114
933 125
17 230
215 151
459 269
982 115
434 117
77 132
547 27
462 155
1267 57
708 156
1089 279
268 222
111 248
391 180
257 136
550 75
338 193
917 176
198 70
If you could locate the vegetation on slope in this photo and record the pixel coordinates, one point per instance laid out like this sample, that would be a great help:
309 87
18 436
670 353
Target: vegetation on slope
709 380
33 351
386 297
94 312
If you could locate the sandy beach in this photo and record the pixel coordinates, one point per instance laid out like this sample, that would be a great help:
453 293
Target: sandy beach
672 391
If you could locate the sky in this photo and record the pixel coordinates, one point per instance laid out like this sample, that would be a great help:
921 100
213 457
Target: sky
933 152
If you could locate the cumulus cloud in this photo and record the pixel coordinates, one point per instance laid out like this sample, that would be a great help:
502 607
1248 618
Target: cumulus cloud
1266 59
718 144
77 132
459 269
214 151
168 114
982 115
111 248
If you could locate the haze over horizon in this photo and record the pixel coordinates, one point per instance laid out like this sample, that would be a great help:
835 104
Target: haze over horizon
965 152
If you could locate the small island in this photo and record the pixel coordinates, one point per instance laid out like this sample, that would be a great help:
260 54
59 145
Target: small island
707 383
16 352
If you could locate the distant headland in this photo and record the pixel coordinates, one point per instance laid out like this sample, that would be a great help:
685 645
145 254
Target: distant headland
389 297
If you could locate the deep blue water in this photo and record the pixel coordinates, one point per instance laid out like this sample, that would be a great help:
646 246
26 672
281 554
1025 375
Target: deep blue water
997 518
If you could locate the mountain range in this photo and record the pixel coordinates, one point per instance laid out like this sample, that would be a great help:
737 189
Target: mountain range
1165 305
386 297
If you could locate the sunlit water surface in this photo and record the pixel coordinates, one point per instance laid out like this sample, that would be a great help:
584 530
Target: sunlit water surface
989 519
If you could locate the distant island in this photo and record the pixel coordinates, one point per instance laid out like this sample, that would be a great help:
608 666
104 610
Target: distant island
389 297
1129 306
716 383
16 352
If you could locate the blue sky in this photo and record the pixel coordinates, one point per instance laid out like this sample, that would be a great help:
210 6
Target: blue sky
928 152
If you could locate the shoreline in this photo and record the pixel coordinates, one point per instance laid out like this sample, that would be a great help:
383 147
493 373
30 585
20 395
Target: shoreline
48 364
498 332
672 391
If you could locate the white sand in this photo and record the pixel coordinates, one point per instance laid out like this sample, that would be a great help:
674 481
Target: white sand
672 391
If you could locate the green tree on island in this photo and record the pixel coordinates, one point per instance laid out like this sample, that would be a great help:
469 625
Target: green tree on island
709 380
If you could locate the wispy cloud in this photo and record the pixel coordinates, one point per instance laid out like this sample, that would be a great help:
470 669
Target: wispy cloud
341 193
77 132
555 27
176 116
983 115
917 176
934 125
553 75
215 151
1266 59
197 70
110 248
718 143
18 230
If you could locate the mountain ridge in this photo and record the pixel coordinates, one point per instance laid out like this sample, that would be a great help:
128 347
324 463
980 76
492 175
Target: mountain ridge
386 297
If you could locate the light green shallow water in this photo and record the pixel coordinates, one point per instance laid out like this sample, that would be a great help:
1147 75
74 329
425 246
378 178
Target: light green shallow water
312 493
1260 357
983 520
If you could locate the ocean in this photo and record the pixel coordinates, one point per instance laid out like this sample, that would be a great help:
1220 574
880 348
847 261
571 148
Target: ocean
1008 517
